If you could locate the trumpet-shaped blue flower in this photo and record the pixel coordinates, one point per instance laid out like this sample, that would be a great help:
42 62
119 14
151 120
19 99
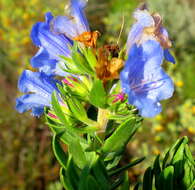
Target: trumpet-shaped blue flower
75 24
39 88
51 45
144 80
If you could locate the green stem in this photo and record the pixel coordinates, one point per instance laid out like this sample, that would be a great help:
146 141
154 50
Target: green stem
102 119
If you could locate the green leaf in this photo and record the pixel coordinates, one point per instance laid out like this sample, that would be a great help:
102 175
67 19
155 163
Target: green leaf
166 179
98 95
70 66
178 158
192 186
157 170
117 182
148 178
92 184
78 154
91 58
79 113
172 151
59 153
100 175
136 186
189 155
81 63
72 174
125 185
189 174
83 178
57 109
131 164
121 136
112 161
65 180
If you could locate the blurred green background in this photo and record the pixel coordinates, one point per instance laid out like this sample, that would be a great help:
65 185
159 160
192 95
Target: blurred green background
26 160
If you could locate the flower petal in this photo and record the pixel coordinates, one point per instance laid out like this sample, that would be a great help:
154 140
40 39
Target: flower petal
168 56
143 19
75 24
77 11
36 82
64 25
55 44
44 62
144 80
31 101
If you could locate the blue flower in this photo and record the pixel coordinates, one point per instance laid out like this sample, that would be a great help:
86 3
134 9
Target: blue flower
144 80
51 46
147 27
39 88
75 24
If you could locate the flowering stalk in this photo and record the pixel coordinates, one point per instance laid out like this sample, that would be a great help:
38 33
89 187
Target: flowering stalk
87 108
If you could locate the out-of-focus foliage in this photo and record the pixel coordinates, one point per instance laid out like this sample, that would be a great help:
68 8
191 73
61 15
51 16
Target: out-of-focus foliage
25 159
119 17
17 18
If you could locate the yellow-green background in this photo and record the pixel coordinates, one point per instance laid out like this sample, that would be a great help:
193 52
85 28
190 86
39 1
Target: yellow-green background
26 160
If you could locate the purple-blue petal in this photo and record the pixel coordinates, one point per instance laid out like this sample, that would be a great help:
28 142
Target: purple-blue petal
51 44
44 62
55 44
34 34
48 17
39 87
73 25
36 82
64 25
77 11
143 19
144 80
168 56
33 102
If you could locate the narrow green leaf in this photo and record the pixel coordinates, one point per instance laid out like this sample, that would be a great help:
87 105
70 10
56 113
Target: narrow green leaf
60 155
57 109
189 155
79 113
136 186
189 174
98 95
78 153
117 183
178 158
81 63
100 175
72 174
92 184
65 180
90 56
192 186
125 185
131 164
121 136
171 152
166 178
83 178
157 170
148 178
